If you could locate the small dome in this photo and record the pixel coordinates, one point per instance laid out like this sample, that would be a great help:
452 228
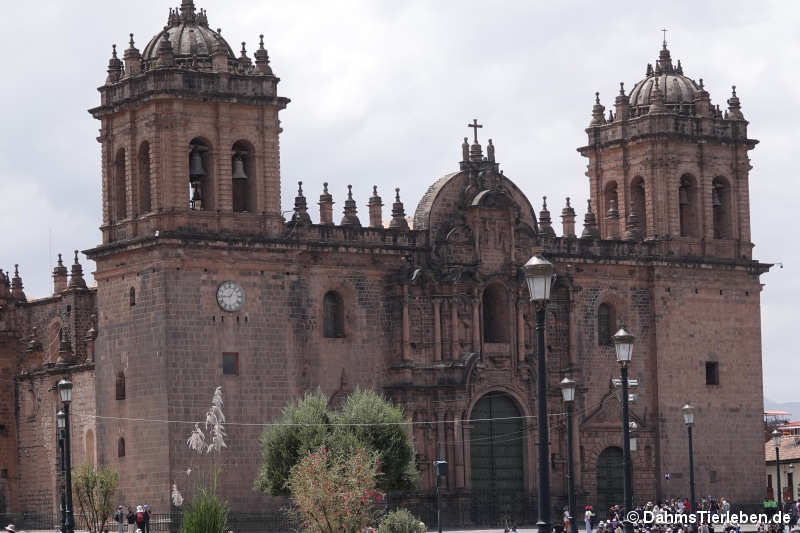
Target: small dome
189 35
678 90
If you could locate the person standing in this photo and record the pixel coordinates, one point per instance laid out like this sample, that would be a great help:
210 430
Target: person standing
140 518
131 520
146 519
587 516
119 518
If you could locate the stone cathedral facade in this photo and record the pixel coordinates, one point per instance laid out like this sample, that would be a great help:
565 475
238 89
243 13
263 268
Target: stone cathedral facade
200 282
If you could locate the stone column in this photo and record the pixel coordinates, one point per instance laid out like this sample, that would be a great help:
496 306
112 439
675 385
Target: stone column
406 333
454 340
476 324
437 329
521 303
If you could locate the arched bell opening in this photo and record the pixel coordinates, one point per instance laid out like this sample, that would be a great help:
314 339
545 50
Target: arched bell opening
243 180
144 202
119 188
721 207
201 192
639 203
688 207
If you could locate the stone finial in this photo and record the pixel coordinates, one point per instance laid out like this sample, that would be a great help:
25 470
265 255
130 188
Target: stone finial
114 67
262 58
568 221
16 285
91 333
702 102
649 71
59 277
657 99
350 217
622 103
679 68
325 206
490 151
65 354
465 150
166 56
590 230
734 106
375 206
545 223
612 217
5 287
244 62
633 230
133 59
300 216
76 280
598 112
398 212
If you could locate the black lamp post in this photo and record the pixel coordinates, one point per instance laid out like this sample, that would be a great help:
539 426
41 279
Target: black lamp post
539 275
776 440
441 470
623 343
65 391
688 418
568 395
61 422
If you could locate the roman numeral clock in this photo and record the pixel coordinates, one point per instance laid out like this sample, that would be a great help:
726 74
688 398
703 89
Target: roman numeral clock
230 296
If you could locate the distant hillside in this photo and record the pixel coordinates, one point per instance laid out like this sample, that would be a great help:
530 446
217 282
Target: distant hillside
791 407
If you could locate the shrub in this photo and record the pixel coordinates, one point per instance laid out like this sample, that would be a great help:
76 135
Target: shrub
401 521
205 513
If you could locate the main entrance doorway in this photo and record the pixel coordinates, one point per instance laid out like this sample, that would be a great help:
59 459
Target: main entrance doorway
610 479
496 460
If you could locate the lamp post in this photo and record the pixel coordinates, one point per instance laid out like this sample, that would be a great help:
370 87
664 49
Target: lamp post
65 391
623 343
441 470
688 418
776 440
539 276
568 395
61 422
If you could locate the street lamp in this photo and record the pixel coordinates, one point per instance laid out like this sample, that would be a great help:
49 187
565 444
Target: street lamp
568 395
776 440
539 276
688 418
61 423
634 427
623 344
441 470
65 391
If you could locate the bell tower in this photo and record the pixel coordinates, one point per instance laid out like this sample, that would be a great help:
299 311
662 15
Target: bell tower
665 166
189 135
190 162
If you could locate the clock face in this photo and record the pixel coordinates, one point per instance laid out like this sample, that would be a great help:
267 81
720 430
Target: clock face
230 296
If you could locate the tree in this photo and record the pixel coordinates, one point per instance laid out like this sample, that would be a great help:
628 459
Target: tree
94 490
366 421
334 492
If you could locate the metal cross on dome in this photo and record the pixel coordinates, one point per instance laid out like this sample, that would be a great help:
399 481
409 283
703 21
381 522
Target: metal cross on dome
475 127
665 36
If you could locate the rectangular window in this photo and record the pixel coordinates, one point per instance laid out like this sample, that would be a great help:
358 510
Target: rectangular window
712 373
769 481
230 364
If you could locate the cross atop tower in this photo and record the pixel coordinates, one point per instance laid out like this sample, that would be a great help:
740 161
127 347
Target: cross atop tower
664 30
475 127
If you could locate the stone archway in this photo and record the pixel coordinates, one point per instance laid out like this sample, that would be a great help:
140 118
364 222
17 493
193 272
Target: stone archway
610 479
497 468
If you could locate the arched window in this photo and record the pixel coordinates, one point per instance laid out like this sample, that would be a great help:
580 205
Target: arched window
333 315
495 314
132 296
243 177
201 169
611 196
605 324
121 447
145 202
639 202
120 388
687 207
721 206
611 199
119 187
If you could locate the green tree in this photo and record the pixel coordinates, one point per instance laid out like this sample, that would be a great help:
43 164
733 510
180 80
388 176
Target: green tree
94 490
366 420
401 521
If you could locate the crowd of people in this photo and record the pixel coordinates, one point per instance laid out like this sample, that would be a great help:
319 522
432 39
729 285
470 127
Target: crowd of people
136 520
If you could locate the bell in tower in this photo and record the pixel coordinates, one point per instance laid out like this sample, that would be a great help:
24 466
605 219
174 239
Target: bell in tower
196 174
238 169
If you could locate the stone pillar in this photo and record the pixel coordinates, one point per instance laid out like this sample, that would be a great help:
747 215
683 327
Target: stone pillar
521 328
375 206
437 329
406 333
325 206
454 339
476 324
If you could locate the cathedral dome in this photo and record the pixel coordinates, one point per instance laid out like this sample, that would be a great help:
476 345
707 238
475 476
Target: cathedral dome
678 90
189 35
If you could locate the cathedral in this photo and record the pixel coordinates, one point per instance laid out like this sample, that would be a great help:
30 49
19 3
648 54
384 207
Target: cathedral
201 281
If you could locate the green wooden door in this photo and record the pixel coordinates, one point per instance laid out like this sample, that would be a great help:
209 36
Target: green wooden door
496 460
610 480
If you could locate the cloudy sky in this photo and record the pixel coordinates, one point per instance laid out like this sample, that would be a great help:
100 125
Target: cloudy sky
381 93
